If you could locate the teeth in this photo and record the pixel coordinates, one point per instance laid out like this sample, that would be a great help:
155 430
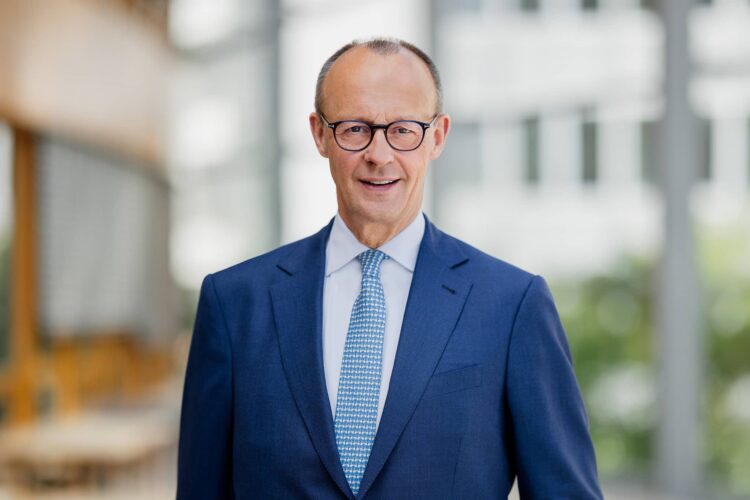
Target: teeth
381 183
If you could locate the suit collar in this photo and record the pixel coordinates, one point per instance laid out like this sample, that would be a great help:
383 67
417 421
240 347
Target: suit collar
436 299
297 302
306 253
445 248
435 302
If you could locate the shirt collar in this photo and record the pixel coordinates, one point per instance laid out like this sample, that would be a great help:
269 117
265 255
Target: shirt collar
343 246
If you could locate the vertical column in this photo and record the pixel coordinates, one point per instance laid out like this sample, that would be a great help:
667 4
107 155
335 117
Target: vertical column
729 155
503 5
560 5
274 13
678 316
619 155
502 157
433 199
531 169
619 4
23 312
560 154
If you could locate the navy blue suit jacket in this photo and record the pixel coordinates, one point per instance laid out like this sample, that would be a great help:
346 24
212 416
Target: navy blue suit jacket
482 388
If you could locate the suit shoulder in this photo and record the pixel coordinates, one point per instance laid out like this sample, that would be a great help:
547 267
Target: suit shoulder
498 281
483 265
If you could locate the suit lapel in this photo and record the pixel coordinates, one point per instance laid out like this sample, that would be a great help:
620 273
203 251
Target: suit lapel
297 307
436 299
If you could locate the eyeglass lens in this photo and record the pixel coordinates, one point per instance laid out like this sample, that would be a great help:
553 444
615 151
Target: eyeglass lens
403 135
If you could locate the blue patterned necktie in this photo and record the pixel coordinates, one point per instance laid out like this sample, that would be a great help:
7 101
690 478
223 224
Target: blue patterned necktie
359 383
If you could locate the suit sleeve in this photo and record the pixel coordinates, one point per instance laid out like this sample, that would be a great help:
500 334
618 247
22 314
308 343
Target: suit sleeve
554 455
204 468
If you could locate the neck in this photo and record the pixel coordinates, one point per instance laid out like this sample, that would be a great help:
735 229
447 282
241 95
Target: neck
375 234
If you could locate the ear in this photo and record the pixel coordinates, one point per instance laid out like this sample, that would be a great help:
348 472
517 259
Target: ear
318 129
442 127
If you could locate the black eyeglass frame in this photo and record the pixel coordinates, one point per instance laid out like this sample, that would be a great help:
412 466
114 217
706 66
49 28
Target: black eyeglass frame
374 128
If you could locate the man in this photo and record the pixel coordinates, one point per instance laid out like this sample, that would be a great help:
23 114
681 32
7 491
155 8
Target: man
380 357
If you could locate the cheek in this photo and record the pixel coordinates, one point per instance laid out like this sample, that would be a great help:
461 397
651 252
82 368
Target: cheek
416 170
342 168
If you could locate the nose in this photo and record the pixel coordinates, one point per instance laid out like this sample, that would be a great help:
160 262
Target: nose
379 152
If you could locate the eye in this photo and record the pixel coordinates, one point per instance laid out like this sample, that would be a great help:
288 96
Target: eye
355 129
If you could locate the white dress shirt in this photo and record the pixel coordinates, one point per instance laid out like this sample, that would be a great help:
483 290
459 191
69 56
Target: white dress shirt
341 288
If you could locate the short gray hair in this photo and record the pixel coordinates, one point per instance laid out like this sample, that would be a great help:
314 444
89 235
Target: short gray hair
382 46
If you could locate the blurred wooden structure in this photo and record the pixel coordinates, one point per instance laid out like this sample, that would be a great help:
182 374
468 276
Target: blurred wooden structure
95 73
91 71
90 453
90 370
23 342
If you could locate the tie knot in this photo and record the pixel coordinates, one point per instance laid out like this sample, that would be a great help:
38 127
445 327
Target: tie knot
370 261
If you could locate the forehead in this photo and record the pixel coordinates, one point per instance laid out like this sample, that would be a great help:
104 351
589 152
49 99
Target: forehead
365 83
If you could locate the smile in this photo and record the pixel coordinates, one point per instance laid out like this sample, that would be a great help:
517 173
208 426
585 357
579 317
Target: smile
380 183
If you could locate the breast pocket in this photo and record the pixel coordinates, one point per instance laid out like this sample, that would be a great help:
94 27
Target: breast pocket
455 380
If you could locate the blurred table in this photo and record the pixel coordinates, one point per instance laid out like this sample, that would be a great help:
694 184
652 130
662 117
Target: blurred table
95 450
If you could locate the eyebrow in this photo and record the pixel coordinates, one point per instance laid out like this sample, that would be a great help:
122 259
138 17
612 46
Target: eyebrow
372 122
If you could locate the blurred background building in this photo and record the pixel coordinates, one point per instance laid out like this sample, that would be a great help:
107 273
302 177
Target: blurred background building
145 143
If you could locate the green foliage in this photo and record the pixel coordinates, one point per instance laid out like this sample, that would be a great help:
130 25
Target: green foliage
725 263
609 320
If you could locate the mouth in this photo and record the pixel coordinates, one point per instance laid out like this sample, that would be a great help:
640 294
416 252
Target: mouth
379 184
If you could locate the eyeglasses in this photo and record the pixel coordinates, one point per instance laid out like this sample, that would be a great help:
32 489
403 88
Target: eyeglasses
401 135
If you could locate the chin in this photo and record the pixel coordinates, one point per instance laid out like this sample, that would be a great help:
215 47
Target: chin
379 219
370 217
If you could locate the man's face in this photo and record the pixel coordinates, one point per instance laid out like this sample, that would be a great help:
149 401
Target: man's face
363 85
